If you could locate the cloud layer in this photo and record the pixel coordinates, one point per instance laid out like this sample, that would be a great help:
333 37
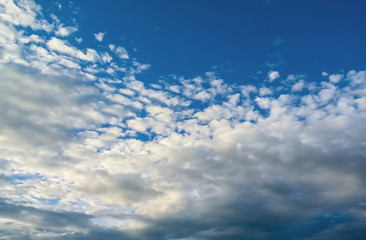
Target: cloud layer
90 152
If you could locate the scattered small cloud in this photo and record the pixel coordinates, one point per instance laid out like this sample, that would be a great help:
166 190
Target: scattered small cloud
111 47
65 31
273 75
79 40
99 36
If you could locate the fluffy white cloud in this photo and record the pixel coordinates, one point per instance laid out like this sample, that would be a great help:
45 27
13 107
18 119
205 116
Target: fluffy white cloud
203 96
99 36
335 78
297 87
111 47
272 75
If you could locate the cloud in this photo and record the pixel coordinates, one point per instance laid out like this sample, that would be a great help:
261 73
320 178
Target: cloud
324 74
111 47
263 102
121 52
65 31
272 75
92 153
297 87
335 78
23 14
105 57
63 47
263 91
99 36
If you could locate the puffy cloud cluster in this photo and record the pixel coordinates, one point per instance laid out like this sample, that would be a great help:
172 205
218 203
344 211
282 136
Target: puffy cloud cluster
90 152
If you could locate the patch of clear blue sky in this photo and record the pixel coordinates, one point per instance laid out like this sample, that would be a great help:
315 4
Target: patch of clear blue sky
236 38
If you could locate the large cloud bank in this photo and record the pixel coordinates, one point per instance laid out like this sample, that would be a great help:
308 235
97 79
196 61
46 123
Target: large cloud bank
87 151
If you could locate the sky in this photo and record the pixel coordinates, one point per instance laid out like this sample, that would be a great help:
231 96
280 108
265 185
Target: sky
182 120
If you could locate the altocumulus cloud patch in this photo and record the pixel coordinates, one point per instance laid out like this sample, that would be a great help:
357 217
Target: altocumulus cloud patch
89 151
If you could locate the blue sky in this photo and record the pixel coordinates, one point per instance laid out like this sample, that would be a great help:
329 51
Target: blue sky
237 38
182 120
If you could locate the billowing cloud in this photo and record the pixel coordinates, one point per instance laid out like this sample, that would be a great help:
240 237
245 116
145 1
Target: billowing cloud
88 151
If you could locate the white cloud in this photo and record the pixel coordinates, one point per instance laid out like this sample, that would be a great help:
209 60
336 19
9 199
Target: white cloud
63 47
128 92
202 96
263 91
99 36
138 67
121 52
263 102
174 88
111 47
356 78
272 75
23 13
31 39
105 57
65 31
298 86
335 78
214 112
246 90
137 124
